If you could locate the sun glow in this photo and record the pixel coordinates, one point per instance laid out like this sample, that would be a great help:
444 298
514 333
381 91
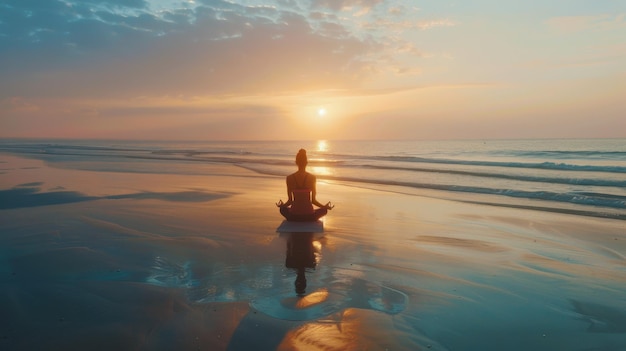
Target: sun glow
322 146
321 112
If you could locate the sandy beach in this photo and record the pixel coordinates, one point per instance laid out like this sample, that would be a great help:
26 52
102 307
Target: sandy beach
137 261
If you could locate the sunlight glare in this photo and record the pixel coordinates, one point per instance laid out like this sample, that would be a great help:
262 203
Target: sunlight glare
321 112
322 146
321 170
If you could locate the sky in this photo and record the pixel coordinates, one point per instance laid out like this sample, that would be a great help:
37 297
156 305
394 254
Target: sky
312 69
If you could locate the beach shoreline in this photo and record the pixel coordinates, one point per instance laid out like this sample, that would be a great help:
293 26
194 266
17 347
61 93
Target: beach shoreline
161 261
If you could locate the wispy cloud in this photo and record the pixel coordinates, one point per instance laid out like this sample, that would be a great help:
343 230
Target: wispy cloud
435 23
339 5
123 48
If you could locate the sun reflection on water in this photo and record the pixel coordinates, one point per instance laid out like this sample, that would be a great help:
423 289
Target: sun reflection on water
321 170
312 299
317 165
322 146
343 331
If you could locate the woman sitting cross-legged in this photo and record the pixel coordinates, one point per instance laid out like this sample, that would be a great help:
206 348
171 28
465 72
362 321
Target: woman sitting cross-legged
301 192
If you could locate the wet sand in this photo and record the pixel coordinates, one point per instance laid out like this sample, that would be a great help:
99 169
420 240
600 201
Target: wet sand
109 260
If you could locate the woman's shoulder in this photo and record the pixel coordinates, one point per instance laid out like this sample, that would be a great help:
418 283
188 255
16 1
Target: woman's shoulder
307 176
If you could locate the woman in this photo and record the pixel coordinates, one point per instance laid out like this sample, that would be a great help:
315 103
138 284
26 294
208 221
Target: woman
301 193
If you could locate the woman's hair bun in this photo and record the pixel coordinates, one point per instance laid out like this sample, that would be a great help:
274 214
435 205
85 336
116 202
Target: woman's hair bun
301 157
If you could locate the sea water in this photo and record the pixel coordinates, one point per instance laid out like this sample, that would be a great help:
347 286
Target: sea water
79 274
580 176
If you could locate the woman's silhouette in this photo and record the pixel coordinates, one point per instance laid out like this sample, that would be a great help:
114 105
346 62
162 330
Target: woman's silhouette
300 257
301 194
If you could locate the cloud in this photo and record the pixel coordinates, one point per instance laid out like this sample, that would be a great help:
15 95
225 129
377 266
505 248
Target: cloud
221 110
215 48
170 118
17 105
338 5
401 26
110 68
435 23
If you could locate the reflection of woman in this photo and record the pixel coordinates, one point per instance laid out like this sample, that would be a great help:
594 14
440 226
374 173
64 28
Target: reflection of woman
301 192
300 256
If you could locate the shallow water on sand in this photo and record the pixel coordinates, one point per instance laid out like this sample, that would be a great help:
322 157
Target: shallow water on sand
168 262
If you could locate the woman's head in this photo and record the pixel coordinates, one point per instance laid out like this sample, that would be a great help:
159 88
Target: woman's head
301 159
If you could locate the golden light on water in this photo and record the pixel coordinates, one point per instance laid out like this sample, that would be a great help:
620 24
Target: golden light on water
327 219
351 329
322 146
312 299
317 245
317 248
321 170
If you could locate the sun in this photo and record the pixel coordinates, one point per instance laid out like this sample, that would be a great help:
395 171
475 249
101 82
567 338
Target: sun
321 112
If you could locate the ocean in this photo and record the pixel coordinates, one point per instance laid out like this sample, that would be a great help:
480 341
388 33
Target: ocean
438 245
577 176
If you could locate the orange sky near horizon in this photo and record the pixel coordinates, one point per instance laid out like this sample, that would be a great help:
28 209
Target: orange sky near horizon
261 70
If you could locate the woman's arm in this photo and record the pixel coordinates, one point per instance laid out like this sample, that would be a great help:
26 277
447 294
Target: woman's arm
313 187
280 203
